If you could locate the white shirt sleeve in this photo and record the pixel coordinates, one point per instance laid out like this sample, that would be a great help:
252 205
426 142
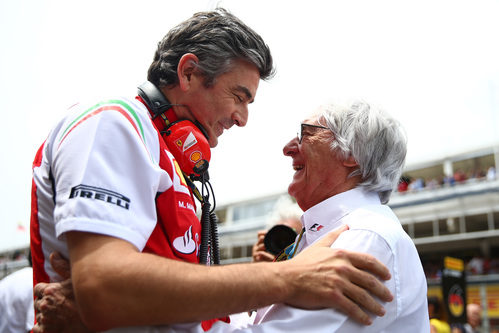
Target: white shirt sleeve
105 180
16 302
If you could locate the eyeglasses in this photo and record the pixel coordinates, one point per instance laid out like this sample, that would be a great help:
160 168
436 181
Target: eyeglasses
302 126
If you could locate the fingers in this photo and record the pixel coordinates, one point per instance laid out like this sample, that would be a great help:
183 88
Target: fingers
367 262
360 273
55 307
359 260
259 247
60 265
37 328
347 279
261 234
39 289
43 299
352 309
42 306
358 295
259 251
370 284
355 290
263 256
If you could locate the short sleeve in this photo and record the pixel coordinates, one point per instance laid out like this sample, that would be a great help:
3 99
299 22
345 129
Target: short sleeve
105 177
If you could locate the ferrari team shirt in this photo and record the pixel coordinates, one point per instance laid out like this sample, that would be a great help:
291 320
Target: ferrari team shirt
105 169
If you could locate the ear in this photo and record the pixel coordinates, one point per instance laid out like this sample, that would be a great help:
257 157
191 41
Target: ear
350 162
186 69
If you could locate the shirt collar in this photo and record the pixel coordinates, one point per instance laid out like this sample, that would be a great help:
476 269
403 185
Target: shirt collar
159 121
326 215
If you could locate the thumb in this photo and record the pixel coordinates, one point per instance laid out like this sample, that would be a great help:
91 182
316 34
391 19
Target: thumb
60 265
330 237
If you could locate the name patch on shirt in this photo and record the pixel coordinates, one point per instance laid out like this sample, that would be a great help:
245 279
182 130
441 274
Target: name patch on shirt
316 227
186 205
97 193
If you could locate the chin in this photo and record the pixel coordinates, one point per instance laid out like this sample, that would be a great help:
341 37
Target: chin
298 194
292 190
213 142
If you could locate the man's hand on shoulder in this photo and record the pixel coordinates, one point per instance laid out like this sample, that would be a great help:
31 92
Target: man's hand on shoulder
335 278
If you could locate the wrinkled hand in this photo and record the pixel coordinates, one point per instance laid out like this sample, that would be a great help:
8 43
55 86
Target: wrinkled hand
348 279
56 310
259 252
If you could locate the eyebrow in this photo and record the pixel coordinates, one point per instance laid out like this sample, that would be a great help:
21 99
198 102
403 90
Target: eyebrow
245 91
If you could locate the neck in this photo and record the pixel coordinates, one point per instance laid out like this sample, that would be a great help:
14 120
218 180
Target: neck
319 196
162 120
180 108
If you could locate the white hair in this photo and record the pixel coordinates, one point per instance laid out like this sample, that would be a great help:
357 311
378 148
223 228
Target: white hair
374 139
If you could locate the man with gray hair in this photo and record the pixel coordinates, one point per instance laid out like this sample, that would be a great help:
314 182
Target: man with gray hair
347 160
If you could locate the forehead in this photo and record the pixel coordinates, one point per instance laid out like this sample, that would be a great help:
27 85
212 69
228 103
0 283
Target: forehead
244 74
314 117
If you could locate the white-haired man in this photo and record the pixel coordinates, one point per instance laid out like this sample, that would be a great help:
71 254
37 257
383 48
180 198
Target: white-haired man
347 161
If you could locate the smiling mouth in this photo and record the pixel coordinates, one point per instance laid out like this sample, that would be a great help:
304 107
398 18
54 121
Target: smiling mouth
298 167
221 129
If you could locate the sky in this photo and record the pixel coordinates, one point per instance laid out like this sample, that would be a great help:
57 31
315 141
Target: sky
433 65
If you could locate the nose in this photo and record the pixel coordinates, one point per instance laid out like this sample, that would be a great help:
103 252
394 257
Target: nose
240 117
291 147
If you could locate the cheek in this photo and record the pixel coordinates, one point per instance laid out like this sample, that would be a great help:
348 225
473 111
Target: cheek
314 165
208 114
217 111
313 176
319 169
198 108
225 108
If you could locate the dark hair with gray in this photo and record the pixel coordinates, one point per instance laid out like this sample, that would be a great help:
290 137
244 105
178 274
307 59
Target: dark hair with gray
217 38
374 139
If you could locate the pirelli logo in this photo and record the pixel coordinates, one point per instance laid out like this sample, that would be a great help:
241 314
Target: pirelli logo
96 193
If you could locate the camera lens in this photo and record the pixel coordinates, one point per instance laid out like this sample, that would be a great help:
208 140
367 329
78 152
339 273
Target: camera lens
278 238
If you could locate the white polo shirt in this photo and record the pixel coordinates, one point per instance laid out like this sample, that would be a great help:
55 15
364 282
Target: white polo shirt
374 229
17 313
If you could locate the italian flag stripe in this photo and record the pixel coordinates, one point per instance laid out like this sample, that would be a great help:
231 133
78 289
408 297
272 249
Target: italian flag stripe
116 105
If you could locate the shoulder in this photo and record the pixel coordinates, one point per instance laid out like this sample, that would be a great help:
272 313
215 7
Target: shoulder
377 219
375 228
118 109
113 121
